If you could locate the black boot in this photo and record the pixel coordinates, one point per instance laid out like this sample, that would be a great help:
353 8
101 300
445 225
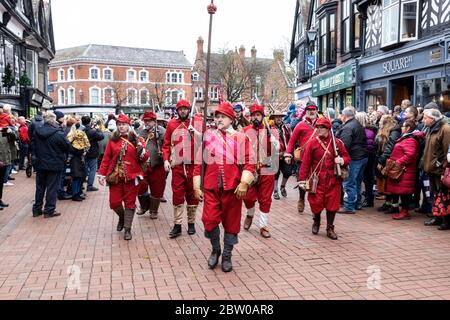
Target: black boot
214 237
129 216
144 202
316 224
283 191
446 224
436 221
191 229
368 203
393 210
229 241
154 207
330 225
120 212
176 231
276 196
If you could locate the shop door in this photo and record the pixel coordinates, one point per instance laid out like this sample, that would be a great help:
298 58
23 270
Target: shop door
402 89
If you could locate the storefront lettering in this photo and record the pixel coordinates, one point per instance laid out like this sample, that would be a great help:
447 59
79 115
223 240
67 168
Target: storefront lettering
397 64
332 81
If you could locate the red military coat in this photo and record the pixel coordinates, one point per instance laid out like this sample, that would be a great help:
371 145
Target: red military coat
301 135
260 145
226 156
132 166
329 187
284 137
405 153
181 140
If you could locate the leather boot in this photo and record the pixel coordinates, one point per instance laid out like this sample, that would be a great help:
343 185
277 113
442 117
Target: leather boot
316 224
129 216
446 224
301 206
249 219
154 207
144 202
176 231
330 233
214 237
191 211
276 195
229 241
283 191
120 212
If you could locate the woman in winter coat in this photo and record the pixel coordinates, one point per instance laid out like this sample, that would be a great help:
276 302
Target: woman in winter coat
405 154
79 144
388 134
369 172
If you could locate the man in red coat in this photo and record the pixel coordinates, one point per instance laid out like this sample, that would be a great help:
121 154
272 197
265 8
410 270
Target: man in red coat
124 154
154 174
303 133
264 153
225 184
178 155
319 160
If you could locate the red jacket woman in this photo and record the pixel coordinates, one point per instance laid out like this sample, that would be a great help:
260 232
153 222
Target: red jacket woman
405 153
122 158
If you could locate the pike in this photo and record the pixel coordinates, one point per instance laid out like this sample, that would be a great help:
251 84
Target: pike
337 167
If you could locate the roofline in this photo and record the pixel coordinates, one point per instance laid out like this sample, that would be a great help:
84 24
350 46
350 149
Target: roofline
120 63
89 45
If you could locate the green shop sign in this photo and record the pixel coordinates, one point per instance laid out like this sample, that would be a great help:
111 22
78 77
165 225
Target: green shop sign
339 79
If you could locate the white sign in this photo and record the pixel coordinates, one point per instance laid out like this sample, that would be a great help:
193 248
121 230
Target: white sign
397 64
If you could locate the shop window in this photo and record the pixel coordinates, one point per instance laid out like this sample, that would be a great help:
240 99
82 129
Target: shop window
376 97
433 90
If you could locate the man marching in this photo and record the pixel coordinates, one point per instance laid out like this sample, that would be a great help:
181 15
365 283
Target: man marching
225 184
154 173
303 133
178 155
319 161
284 134
261 141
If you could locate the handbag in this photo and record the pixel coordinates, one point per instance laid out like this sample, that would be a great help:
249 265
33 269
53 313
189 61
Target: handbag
114 176
298 153
446 178
393 170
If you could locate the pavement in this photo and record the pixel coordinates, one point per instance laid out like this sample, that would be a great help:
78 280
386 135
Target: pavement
80 255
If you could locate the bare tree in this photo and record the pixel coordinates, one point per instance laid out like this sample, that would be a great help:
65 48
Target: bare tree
120 94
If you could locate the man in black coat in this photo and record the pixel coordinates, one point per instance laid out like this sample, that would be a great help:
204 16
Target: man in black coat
354 138
50 148
94 135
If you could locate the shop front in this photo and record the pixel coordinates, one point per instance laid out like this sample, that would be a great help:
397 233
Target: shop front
335 89
417 73
303 94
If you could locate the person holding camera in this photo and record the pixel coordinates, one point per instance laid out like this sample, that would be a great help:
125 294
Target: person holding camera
317 175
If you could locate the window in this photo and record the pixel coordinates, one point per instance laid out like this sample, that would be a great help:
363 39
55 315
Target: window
107 74
357 24
408 20
143 76
95 95
195 76
300 24
346 5
173 96
327 50
390 25
144 97
71 96
109 96
94 74
71 74
131 76
132 96
174 77
198 94
61 97
61 75
214 93
31 66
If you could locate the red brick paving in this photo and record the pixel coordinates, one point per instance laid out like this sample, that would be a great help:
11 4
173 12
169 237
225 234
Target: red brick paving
36 255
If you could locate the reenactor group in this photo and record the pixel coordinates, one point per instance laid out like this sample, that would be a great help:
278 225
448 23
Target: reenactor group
238 162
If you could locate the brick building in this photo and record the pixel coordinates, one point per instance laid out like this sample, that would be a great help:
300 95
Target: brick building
237 78
100 79
26 47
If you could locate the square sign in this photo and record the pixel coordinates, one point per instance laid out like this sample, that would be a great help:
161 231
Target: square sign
310 63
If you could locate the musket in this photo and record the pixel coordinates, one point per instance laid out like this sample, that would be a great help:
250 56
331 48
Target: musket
335 148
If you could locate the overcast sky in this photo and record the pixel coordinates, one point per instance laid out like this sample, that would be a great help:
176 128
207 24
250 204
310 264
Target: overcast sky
174 24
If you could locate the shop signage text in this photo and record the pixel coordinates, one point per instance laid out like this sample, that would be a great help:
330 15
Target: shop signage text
397 64
334 81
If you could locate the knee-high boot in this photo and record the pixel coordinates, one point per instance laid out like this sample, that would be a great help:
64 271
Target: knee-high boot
129 216
144 202
316 224
154 207
120 212
330 225
214 237
191 212
229 241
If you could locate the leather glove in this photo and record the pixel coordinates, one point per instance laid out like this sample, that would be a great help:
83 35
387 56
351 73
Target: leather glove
241 190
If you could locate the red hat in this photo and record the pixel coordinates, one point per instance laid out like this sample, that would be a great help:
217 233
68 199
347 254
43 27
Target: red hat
256 108
226 109
183 104
123 118
311 106
323 122
149 116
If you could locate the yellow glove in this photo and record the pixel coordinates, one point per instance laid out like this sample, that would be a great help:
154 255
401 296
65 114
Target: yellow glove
246 179
198 194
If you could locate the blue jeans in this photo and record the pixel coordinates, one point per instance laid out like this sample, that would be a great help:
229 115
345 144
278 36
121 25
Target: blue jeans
91 171
352 186
9 168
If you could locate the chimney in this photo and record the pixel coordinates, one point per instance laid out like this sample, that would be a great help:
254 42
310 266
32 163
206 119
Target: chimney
278 55
253 52
200 52
242 52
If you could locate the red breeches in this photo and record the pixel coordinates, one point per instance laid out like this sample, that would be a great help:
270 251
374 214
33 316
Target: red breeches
123 193
182 185
155 179
261 192
222 207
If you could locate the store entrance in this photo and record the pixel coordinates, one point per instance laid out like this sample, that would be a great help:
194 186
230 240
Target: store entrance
402 89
